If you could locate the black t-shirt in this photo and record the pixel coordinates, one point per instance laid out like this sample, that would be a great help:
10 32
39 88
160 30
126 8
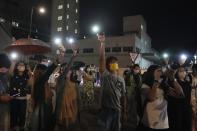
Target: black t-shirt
18 85
187 91
183 102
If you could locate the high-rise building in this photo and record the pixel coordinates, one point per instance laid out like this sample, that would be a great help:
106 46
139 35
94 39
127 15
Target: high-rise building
65 19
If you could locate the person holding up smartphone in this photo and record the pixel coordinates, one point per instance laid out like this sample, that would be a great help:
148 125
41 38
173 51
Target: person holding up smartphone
155 116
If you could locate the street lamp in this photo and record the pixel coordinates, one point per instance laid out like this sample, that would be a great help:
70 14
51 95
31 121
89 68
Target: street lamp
165 55
42 10
14 55
70 40
95 29
183 57
58 41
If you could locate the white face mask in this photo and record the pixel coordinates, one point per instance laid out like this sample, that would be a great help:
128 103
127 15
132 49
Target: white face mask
45 63
21 68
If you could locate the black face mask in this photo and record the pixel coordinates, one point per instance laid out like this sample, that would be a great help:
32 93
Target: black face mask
2 75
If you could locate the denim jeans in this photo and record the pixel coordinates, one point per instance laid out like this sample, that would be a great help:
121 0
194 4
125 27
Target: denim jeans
109 119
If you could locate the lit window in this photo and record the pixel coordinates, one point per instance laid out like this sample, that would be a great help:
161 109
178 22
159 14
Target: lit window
60 7
76 21
68 6
59 29
67 16
76 31
67 27
76 1
76 10
59 18
15 24
2 20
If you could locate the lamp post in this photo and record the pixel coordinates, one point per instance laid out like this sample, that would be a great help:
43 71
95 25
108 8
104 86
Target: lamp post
42 10
96 29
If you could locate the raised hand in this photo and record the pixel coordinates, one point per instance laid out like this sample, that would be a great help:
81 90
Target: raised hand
101 38
75 51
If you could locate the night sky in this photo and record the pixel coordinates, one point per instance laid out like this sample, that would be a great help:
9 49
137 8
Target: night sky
172 24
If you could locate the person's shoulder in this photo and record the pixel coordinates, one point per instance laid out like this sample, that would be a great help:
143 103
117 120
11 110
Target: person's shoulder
120 78
105 73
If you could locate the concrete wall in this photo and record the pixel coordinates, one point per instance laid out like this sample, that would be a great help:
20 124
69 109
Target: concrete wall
118 41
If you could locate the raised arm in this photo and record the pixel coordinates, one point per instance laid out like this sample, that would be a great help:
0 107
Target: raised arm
101 38
70 63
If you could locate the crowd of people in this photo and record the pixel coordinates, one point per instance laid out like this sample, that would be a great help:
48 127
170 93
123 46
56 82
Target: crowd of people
51 97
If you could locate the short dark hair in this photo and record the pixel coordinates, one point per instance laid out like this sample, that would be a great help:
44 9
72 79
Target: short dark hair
4 61
109 60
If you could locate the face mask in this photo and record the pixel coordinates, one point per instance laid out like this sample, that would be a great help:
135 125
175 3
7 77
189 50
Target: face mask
2 75
45 63
114 67
136 71
21 68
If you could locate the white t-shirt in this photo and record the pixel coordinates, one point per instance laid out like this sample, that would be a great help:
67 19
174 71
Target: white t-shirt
155 112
